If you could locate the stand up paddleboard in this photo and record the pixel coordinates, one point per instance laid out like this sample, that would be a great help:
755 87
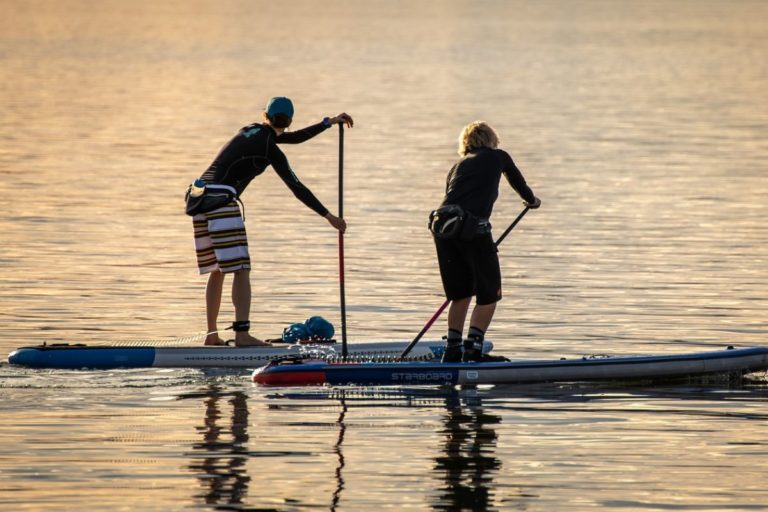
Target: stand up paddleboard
660 367
107 357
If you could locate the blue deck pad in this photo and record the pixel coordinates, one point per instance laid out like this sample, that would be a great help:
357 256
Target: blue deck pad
75 358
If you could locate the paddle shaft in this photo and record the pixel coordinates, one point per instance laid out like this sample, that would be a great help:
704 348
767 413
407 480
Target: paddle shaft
342 294
440 310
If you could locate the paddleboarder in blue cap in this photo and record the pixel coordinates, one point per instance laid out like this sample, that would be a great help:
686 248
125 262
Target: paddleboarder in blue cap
220 237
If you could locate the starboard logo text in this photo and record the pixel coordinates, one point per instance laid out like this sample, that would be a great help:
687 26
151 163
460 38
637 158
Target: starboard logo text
422 377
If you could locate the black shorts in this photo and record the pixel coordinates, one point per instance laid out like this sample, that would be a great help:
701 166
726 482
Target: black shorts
470 268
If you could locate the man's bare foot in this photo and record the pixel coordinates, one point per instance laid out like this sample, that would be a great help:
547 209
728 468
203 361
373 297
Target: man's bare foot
214 340
243 339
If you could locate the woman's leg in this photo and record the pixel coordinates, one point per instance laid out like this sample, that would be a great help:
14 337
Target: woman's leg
487 273
457 314
482 316
457 282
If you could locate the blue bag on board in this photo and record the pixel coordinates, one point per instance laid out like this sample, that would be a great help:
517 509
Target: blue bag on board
295 332
314 328
319 327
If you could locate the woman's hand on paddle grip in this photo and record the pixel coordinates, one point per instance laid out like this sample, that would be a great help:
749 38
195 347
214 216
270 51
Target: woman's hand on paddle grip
336 222
534 204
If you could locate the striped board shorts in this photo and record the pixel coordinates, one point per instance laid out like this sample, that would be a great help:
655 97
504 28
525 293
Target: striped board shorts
220 240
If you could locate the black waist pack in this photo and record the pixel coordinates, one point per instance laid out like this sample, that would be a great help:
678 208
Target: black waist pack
452 222
213 196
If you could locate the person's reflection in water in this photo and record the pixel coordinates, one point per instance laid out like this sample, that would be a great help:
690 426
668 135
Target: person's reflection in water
467 463
219 461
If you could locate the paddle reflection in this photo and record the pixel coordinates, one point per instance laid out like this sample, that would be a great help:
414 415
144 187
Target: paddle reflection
219 460
337 449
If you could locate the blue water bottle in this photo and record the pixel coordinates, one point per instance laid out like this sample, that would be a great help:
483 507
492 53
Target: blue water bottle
198 188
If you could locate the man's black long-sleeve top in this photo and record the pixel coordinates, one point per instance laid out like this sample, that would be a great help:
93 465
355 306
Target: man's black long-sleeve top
254 148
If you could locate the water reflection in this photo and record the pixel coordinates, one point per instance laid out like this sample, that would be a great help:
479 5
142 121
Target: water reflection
459 434
467 464
219 460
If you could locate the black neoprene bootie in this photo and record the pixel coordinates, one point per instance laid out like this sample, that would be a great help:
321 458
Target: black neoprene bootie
473 350
473 346
452 352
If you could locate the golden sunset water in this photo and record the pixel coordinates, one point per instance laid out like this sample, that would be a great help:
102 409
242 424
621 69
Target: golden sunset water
641 125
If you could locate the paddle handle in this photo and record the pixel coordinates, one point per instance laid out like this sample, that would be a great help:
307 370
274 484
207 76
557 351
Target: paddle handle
440 310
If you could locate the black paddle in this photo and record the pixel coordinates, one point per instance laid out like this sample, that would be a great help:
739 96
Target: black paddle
445 304
341 247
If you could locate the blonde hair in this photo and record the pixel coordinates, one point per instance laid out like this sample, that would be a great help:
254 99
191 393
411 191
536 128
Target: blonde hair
476 135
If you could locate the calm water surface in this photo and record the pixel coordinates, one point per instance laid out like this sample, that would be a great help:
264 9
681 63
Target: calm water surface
641 125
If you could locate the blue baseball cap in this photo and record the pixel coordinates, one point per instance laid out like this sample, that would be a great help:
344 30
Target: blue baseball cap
280 105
